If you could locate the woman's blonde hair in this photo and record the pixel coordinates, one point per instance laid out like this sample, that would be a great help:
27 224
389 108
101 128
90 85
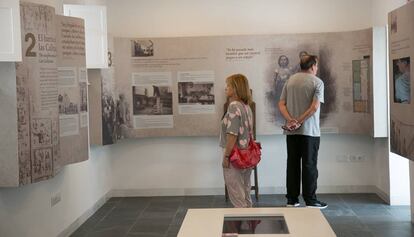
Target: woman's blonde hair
240 84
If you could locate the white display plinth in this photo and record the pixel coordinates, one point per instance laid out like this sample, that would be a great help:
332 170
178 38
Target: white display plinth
300 221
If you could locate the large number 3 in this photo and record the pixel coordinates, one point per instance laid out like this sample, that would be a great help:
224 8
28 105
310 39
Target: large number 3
29 52
109 59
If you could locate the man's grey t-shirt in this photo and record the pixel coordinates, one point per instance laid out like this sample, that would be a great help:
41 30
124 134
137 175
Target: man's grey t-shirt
299 92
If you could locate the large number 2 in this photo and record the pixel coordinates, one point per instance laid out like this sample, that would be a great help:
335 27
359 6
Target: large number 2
29 52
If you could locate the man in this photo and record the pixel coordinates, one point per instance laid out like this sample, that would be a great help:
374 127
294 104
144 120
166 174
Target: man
123 118
300 106
402 82
297 67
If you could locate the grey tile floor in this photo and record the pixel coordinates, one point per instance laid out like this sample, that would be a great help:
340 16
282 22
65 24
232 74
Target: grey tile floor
356 215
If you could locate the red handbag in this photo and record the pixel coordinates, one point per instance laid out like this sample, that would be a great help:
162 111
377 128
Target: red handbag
246 158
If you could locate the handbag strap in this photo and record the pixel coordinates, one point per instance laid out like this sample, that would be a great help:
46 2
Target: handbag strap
248 121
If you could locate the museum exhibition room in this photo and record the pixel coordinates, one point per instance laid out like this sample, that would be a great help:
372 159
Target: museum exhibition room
161 118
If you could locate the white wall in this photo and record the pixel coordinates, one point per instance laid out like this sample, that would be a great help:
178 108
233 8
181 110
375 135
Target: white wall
412 190
189 166
381 168
380 9
27 211
175 165
399 180
164 18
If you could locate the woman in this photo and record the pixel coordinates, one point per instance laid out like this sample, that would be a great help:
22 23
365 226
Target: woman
282 74
236 127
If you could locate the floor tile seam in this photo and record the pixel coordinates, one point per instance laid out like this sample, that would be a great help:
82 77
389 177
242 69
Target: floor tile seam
137 219
346 222
366 225
350 210
171 210
97 231
401 215
214 202
108 229
88 232
168 207
169 227
141 233
176 213
345 201
107 214
112 216
384 212
117 202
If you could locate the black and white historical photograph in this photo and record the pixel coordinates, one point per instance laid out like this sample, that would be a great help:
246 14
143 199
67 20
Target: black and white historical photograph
83 97
42 163
142 48
401 77
152 100
22 115
196 93
66 106
41 132
394 23
123 117
108 120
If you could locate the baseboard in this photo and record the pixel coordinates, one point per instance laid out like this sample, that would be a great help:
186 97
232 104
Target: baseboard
166 192
220 191
384 196
88 213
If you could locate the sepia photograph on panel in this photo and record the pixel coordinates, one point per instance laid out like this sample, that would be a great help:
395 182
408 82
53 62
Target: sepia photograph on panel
152 100
402 80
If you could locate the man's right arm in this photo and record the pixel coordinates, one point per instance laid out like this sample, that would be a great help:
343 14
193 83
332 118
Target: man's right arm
283 110
291 122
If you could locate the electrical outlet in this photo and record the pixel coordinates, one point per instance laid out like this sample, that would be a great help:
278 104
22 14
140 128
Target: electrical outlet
357 158
342 158
55 199
360 158
353 158
350 158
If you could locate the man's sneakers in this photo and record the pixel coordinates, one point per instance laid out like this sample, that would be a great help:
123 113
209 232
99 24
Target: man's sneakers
314 204
317 204
292 203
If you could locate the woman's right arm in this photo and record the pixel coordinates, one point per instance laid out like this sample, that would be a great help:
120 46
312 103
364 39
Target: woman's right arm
231 141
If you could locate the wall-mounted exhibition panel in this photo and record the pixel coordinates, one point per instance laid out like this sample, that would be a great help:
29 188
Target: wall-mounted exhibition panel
110 128
401 53
10 48
50 99
72 90
95 32
175 86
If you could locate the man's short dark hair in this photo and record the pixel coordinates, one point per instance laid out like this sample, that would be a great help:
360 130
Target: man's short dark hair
307 61
405 60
